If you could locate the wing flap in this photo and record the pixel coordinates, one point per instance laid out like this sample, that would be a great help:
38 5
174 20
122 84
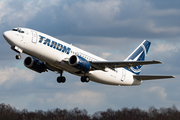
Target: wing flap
113 64
151 77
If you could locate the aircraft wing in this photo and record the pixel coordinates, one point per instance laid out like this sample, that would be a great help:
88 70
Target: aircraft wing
101 65
151 77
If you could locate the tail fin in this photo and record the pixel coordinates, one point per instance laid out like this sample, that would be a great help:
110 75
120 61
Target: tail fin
139 54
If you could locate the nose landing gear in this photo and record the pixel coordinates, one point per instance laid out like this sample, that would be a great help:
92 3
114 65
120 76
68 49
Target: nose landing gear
18 50
18 57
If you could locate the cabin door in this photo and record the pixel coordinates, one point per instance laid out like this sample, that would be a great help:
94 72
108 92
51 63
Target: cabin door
34 37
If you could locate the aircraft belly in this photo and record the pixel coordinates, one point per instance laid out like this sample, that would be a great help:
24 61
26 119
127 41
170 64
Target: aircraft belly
104 77
107 78
63 66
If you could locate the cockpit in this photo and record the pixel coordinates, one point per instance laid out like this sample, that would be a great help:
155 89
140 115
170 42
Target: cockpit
18 29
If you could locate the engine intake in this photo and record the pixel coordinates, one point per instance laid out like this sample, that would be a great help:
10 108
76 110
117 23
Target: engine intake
80 63
35 64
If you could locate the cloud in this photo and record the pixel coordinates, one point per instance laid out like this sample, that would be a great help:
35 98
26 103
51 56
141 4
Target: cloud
82 98
166 47
159 92
103 18
93 18
165 12
153 28
106 54
70 99
13 74
17 13
92 12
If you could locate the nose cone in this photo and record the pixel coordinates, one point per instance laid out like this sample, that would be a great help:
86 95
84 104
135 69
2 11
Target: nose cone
8 35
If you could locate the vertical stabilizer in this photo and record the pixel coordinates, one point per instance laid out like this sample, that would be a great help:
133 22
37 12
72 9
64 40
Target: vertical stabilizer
139 54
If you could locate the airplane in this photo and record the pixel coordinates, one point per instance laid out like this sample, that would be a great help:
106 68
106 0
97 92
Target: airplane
48 53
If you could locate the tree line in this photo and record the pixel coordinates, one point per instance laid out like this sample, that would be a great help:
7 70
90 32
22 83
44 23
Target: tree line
7 112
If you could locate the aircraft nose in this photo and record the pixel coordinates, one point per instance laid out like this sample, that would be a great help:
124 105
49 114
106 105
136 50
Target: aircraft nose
6 35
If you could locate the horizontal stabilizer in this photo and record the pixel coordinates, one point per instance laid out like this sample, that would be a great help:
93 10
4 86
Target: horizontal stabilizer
151 77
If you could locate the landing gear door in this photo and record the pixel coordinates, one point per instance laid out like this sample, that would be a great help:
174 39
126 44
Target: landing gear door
34 37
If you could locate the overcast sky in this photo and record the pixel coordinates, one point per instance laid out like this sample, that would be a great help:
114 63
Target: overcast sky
111 29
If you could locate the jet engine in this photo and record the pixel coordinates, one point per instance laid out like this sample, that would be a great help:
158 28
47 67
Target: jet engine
80 63
35 64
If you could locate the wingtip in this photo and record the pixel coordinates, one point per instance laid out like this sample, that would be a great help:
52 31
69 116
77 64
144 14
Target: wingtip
158 62
173 76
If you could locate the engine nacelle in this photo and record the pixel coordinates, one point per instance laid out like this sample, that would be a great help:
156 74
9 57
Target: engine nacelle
35 64
80 63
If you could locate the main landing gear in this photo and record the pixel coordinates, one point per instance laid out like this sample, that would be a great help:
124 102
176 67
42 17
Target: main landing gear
61 79
85 79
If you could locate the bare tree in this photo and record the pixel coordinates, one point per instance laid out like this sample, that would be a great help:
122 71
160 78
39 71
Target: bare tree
11 113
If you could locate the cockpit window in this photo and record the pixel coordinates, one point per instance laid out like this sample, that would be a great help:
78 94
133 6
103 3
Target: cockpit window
17 29
20 31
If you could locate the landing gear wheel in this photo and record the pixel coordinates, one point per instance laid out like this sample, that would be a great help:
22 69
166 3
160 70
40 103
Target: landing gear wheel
85 79
61 79
58 80
18 57
82 79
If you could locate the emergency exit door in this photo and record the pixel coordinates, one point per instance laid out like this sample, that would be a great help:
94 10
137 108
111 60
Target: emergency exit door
123 75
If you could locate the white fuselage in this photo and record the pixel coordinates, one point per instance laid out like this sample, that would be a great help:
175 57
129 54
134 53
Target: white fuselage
54 52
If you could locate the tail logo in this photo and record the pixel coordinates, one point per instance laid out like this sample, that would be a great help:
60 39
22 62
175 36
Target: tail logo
139 55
